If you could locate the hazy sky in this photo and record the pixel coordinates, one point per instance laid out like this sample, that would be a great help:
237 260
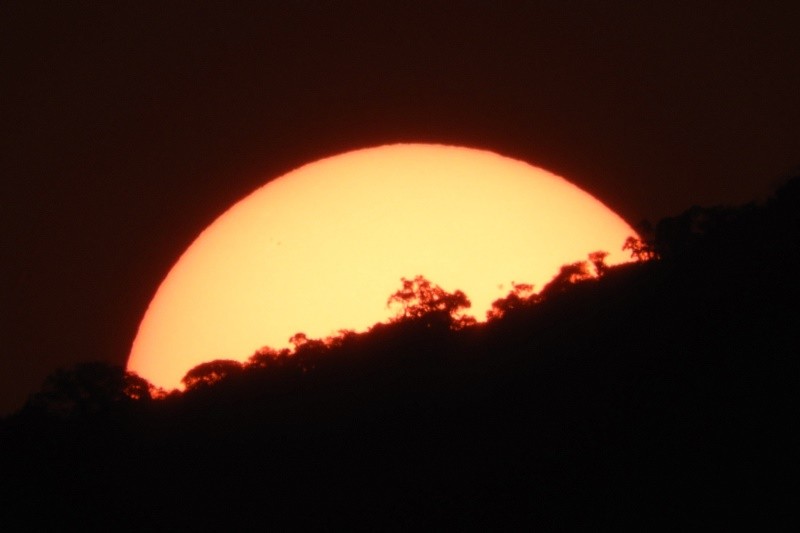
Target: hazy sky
128 127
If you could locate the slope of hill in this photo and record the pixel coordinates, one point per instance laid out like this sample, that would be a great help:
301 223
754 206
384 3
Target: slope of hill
662 393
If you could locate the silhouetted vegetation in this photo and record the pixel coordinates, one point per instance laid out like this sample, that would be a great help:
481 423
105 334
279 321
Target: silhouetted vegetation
660 393
419 299
207 374
90 390
521 295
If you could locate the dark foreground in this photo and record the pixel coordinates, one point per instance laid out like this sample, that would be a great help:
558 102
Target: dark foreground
664 394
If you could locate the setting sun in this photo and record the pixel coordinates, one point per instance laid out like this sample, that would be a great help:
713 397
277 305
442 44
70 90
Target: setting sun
321 248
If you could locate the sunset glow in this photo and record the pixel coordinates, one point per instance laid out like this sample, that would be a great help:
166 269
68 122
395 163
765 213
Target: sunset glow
321 249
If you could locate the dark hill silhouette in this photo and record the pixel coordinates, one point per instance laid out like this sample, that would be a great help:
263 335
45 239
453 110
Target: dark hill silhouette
659 393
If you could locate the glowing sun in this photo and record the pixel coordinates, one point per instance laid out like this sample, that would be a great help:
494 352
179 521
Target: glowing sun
321 248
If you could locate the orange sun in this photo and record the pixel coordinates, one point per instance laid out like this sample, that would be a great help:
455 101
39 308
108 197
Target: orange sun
321 248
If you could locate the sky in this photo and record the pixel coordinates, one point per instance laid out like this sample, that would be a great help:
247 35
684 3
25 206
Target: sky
127 128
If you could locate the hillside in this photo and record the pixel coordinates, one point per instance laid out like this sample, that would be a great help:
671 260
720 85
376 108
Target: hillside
663 392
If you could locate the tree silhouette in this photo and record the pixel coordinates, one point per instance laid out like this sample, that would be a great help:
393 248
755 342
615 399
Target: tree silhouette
298 340
91 388
138 388
520 295
641 250
302 344
694 229
598 260
420 298
567 276
206 374
267 357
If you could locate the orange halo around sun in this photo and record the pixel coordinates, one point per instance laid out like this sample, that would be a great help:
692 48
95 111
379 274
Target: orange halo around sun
321 248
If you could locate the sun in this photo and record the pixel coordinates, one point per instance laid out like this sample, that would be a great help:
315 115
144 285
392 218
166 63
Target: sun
321 248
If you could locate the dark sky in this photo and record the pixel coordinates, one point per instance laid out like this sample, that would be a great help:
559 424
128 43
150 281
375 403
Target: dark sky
126 129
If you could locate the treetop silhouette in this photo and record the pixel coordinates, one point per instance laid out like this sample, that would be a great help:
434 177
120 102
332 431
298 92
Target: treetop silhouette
209 373
576 272
91 389
419 298
521 295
